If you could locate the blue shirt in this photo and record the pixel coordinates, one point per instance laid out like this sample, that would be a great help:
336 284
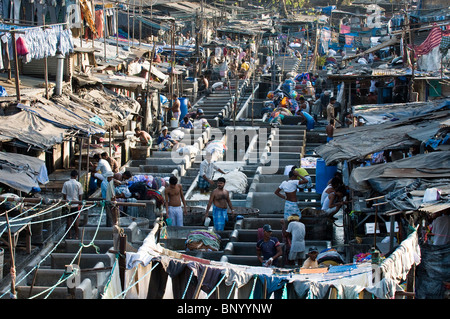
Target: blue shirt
268 248
162 138
186 125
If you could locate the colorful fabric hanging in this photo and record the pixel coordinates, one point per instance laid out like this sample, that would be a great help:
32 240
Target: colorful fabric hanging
21 47
344 29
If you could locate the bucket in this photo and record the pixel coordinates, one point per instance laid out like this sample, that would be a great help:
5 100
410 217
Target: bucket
2 259
173 123
183 106
323 174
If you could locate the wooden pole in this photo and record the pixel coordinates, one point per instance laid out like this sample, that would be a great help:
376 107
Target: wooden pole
104 30
16 64
199 286
88 163
81 141
13 265
46 65
122 258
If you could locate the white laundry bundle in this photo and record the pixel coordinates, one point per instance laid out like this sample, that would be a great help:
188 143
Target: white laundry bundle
177 134
236 181
216 149
189 150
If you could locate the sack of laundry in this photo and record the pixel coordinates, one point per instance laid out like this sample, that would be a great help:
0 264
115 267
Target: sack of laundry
203 240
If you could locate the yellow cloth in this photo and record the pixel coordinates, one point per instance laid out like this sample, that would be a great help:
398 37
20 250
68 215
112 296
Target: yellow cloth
302 172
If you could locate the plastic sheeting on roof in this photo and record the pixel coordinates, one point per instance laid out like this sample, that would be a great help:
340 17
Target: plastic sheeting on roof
29 128
22 172
367 178
69 117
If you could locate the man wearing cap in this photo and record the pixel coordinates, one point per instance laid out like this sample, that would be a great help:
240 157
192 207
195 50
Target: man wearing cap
268 249
311 262
207 169
295 233
166 139
195 115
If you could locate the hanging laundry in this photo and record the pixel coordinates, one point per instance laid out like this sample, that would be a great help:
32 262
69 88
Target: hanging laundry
85 9
21 47
344 29
445 45
433 40
73 14
349 40
99 23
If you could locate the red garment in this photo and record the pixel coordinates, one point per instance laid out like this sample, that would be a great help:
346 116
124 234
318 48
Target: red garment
99 23
21 47
433 40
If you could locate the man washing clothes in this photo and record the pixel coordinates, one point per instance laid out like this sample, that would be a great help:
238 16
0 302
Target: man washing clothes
290 189
207 169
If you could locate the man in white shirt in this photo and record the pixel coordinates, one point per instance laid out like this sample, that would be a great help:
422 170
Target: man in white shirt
207 169
102 166
296 232
290 189
72 190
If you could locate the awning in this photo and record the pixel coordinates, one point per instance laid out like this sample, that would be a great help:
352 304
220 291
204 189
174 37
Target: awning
29 128
22 172
67 117
407 169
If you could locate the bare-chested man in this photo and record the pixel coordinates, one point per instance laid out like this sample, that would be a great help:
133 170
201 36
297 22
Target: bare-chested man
220 199
173 198
176 107
144 137
330 130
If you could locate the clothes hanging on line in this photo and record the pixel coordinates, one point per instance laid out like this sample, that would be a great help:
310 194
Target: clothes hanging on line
37 43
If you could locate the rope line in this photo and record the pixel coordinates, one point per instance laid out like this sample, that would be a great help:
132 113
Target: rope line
62 279
51 251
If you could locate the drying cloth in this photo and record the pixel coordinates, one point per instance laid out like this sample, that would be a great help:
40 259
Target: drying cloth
241 278
21 47
208 238
433 40
385 288
291 208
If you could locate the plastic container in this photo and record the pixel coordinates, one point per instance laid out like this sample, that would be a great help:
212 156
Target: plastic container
323 174
183 106
173 123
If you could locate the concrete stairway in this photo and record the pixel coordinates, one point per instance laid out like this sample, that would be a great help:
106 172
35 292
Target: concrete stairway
241 248
95 263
